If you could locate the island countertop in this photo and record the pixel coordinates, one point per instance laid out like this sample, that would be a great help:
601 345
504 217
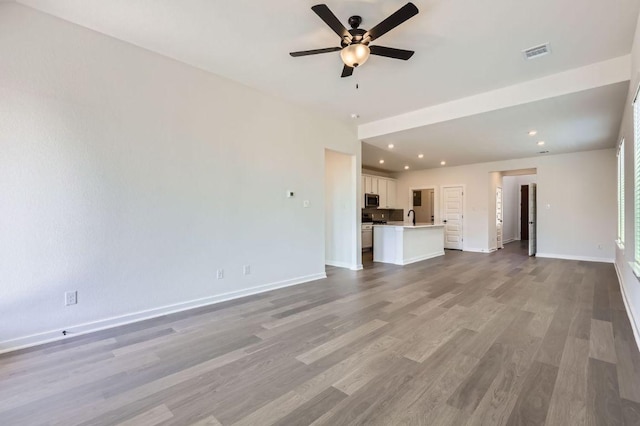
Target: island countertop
409 225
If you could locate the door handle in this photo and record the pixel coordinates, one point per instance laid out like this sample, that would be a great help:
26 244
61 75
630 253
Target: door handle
444 221
530 223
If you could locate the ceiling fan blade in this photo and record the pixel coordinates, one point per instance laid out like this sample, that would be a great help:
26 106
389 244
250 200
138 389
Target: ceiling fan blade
406 12
315 51
347 71
330 19
390 52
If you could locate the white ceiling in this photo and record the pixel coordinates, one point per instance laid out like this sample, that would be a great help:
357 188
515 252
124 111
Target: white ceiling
462 47
580 121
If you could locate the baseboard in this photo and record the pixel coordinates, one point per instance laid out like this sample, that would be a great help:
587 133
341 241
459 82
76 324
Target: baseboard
570 257
510 240
343 265
421 258
475 250
634 324
339 264
80 329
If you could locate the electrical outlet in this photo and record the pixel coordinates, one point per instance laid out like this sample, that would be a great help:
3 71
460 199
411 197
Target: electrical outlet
305 204
70 298
246 269
599 246
220 274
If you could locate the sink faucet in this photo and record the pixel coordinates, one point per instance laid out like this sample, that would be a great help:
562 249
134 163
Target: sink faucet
414 216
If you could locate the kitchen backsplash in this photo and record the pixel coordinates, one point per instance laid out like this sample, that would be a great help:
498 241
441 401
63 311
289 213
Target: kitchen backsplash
390 215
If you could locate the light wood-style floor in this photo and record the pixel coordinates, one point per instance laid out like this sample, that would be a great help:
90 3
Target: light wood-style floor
468 338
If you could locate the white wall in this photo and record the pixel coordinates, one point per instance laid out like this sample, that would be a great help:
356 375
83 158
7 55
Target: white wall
132 178
340 210
579 201
625 253
511 202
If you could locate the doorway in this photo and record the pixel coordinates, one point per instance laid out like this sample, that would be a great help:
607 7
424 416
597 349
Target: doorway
499 219
342 235
524 215
533 220
423 204
517 208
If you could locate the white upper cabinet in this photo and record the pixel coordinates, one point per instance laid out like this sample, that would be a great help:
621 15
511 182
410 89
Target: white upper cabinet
386 188
368 184
392 189
382 192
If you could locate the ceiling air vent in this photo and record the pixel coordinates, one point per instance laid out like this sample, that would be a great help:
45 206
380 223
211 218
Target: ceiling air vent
537 51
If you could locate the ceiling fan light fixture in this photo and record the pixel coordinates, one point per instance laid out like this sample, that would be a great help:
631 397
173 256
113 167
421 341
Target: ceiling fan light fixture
355 55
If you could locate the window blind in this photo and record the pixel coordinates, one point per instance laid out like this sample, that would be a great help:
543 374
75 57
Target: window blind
636 178
621 193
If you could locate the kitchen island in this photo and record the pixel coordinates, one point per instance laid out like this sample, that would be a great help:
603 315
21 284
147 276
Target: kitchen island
402 244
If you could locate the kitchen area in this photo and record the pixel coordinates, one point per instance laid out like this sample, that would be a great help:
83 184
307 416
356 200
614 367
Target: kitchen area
390 236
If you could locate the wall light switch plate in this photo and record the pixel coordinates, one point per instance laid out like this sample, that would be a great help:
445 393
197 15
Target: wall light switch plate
305 204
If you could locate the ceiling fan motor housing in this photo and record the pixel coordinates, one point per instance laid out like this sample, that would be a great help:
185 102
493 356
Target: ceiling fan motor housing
357 36
355 21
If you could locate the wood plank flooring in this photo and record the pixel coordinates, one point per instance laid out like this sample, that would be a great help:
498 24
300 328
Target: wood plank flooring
468 338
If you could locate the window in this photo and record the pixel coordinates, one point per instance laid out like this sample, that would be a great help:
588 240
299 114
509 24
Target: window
621 193
636 180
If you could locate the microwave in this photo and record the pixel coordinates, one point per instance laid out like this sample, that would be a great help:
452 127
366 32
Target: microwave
371 200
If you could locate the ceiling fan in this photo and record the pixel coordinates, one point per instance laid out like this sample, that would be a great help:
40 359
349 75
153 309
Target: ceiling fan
354 43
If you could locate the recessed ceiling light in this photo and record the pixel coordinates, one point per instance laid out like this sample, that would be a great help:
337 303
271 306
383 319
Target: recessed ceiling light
540 143
391 146
354 116
442 163
533 132
381 161
406 167
420 155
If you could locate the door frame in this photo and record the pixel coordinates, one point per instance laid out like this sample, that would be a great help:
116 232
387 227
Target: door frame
464 209
500 243
533 225
352 214
436 214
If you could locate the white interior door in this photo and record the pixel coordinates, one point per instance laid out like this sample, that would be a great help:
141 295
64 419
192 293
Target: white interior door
532 219
452 216
499 217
